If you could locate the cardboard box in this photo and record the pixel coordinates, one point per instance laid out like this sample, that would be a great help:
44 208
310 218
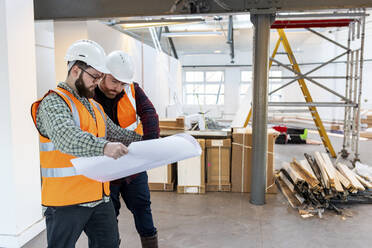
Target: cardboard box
218 157
162 178
191 173
241 161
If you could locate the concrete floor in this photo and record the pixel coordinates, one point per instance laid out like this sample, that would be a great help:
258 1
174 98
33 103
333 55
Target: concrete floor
229 220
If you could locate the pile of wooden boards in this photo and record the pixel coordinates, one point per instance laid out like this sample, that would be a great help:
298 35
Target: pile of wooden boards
315 184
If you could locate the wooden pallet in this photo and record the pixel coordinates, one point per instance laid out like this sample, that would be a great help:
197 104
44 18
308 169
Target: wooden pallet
219 188
191 189
161 186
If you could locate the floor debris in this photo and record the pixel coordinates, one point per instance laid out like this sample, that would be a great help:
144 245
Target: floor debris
317 184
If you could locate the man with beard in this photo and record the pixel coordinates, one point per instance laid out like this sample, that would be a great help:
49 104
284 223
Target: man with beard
127 105
71 125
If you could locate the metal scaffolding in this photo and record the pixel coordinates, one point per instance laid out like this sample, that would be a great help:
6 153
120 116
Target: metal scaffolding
351 100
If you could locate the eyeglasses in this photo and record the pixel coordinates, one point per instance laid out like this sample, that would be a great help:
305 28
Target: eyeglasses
95 79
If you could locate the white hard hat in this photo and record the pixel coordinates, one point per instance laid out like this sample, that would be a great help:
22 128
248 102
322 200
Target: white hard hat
89 52
120 66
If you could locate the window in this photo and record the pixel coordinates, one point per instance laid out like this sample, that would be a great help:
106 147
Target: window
275 81
246 79
204 87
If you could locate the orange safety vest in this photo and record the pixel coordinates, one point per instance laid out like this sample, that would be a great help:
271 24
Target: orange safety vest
127 111
61 185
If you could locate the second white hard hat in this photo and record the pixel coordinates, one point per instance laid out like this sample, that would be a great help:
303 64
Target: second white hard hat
120 66
89 52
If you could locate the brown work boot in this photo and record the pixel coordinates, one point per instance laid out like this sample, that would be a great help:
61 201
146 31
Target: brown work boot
150 242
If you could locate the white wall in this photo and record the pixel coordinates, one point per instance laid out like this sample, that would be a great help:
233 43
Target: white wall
66 33
45 62
20 209
155 72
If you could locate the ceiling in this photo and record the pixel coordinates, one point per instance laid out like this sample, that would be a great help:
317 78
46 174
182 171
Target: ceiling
216 44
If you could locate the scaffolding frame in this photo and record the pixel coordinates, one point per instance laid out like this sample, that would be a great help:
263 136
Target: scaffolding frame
353 75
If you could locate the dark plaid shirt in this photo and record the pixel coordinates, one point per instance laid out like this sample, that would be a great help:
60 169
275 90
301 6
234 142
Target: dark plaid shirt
145 110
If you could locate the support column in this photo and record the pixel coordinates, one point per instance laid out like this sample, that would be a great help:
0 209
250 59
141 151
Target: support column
261 39
20 209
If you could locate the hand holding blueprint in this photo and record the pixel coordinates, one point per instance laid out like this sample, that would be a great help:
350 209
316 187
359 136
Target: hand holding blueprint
142 156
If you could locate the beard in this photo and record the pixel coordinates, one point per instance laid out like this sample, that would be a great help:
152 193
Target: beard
83 91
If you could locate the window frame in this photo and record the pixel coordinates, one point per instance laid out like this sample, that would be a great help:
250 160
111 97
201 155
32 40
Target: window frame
221 98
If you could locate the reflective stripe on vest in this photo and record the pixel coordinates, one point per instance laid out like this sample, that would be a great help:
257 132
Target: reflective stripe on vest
133 126
75 113
46 147
59 172
103 115
129 93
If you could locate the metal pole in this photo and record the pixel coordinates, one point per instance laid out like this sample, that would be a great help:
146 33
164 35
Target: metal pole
363 19
261 39
171 43
313 104
356 72
351 71
285 16
344 152
328 39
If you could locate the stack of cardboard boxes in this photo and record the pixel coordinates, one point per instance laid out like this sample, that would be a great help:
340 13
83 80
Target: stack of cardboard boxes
241 161
225 165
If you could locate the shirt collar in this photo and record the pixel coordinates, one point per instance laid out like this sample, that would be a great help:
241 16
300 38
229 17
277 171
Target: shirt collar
65 86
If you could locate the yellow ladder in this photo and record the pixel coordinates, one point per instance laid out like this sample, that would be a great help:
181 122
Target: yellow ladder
305 91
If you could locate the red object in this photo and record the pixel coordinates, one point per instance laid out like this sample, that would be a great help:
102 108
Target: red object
281 129
324 23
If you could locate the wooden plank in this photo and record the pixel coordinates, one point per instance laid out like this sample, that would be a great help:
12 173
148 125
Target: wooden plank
363 182
332 173
291 187
350 176
329 166
307 167
287 193
344 181
312 181
314 167
172 124
296 178
320 162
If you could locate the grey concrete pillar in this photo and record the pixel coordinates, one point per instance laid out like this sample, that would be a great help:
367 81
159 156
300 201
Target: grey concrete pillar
261 39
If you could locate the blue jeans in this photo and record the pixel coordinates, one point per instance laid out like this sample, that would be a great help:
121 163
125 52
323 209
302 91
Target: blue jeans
136 195
65 224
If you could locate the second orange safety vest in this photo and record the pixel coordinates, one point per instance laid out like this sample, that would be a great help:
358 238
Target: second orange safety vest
127 111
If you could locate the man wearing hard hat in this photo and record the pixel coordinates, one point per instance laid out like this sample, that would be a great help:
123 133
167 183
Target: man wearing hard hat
70 125
128 106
